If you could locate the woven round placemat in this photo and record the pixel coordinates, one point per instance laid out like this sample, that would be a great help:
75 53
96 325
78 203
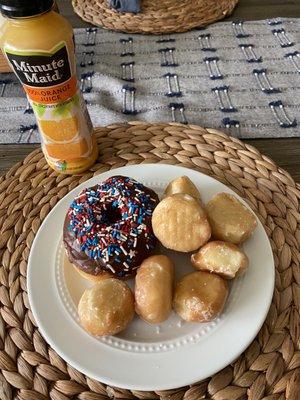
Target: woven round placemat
269 369
156 16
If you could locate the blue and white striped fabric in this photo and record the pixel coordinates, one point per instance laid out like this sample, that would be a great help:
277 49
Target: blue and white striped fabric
243 77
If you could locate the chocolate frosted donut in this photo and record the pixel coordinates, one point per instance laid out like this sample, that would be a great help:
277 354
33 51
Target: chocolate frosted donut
108 229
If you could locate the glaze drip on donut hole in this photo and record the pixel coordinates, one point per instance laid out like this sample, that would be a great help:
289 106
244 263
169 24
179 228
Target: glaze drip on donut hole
108 228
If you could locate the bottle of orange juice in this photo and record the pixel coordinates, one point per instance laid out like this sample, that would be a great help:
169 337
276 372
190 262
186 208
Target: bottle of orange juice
39 45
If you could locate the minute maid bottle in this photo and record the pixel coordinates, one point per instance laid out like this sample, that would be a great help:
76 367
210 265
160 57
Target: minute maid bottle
38 44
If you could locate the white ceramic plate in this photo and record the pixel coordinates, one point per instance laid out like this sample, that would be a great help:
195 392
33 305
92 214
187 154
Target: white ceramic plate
146 357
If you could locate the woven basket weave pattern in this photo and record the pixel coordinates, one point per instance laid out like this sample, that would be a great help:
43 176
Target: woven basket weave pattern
157 16
269 369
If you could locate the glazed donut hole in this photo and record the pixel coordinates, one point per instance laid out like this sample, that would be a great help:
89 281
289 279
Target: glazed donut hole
222 258
107 308
154 283
179 222
182 185
229 219
200 296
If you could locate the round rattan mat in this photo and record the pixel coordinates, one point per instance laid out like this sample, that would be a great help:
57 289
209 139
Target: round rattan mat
156 16
269 369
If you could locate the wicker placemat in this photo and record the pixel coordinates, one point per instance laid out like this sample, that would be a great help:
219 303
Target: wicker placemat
156 16
269 369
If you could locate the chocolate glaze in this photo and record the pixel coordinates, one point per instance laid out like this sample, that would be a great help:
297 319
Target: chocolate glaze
83 261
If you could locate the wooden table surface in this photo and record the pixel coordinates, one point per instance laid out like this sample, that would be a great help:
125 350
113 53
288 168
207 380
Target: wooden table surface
285 152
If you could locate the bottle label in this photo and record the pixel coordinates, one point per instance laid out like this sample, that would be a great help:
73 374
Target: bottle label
46 76
64 124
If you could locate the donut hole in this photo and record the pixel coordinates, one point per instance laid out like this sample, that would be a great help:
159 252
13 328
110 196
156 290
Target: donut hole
111 215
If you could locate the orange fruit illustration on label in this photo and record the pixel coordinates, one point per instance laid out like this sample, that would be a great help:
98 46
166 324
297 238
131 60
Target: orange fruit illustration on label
60 130
67 151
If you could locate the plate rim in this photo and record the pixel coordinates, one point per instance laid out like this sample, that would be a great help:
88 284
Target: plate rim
114 381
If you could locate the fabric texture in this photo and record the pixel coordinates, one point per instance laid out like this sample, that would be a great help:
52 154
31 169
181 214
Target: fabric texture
122 6
242 77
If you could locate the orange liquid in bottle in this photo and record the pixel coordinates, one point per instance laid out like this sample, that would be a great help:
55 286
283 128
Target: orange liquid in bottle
40 50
